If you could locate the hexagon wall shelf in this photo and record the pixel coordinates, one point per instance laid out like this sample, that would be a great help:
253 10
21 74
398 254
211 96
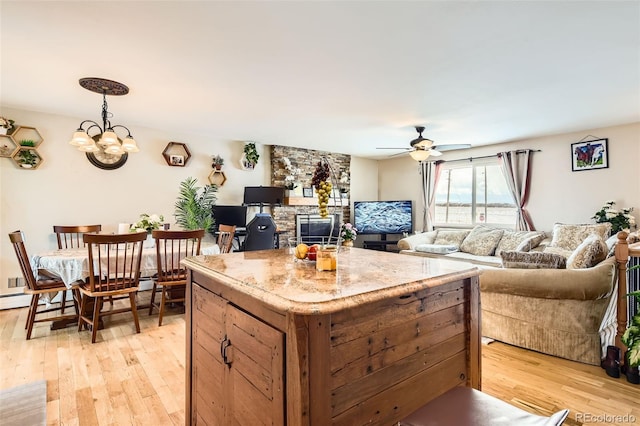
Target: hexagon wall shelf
8 146
217 177
176 154
26 134
27 158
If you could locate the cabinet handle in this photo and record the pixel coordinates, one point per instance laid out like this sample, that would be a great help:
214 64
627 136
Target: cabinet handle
226 343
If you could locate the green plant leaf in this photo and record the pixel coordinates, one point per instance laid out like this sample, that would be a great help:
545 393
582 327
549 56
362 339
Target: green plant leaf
193 206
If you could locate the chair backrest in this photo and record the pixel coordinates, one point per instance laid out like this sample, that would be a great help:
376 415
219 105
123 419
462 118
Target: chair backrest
226 233
114 260
17 239
260 233
71 236
171 248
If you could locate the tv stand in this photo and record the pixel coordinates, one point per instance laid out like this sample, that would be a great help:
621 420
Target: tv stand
381 245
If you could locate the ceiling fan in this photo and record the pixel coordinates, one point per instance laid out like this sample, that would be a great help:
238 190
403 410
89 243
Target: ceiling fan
422 148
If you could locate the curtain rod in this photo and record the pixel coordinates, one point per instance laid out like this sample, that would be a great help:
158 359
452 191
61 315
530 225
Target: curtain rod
519 151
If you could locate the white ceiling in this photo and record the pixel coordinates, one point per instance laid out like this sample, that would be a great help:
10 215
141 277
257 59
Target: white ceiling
345 76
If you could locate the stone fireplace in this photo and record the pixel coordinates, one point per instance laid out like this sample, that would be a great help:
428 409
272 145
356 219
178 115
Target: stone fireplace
306 160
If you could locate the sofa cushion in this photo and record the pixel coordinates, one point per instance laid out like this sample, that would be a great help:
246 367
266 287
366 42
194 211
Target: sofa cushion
532 260
492 261
519 240
450 237
569 237
436 248
410 242
590 252
481 241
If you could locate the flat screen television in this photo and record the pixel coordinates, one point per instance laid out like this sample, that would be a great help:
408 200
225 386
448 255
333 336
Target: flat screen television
230 215
383 217
269 195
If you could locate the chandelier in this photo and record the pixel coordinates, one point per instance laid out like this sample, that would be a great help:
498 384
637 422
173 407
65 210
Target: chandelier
106 137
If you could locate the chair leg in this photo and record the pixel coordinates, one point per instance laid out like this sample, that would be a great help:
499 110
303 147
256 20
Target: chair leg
83 302
32 314
96 318
153 297
63 301
134 311
162 303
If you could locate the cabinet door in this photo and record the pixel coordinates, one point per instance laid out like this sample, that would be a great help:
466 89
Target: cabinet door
208 369
255 381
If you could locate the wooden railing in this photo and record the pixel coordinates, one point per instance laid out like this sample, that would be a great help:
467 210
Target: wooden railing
622 253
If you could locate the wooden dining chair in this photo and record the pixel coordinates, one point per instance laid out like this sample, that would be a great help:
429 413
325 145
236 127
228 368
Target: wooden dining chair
171 279
114 271
37 286
71 236
226 234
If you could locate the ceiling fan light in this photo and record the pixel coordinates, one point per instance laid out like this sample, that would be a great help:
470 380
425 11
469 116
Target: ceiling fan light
419 154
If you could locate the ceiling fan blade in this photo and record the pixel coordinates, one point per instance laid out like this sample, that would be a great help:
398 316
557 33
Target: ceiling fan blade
452 147
434 153
398 154
405 149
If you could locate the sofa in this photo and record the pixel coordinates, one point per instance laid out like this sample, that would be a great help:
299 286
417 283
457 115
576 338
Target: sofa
553 293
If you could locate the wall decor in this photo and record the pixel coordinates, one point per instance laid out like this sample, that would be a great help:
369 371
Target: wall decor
250 156
589 155
176 154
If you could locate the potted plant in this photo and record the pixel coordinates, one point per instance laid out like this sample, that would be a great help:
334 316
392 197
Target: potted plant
27 158
348 233
5 125
631 339
193 206
251 155
217 162
27 142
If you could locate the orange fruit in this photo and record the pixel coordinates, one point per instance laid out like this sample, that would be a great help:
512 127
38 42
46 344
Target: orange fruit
302 250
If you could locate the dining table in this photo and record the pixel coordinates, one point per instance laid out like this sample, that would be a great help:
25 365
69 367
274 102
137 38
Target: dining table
72 266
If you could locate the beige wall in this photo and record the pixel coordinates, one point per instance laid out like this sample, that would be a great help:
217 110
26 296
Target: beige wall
66 189
557 193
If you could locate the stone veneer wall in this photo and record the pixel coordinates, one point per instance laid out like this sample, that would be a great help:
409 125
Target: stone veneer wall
306 160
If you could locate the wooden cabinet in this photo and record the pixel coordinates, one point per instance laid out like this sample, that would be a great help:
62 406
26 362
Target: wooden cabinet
273 341
237 365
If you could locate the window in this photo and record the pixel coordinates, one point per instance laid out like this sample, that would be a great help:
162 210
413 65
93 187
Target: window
470 194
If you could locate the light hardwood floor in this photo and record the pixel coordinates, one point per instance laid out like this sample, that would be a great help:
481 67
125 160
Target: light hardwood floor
128 378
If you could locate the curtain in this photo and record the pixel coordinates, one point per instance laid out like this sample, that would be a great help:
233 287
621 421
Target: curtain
430 174
516 167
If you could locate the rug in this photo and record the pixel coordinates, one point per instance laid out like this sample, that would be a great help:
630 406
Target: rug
24 405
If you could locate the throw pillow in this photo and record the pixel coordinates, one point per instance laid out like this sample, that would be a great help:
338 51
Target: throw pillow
437 249
519 241
532 260
569 237
450 238
481 241
557 250
410 242
592 251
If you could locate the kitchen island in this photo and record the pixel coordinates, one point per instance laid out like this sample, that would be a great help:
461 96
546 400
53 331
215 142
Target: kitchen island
270 340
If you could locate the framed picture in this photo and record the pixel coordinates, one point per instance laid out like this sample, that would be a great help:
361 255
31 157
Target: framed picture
589 155
307 192
176 160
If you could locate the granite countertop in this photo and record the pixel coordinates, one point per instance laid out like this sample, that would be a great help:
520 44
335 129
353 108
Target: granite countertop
362 276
